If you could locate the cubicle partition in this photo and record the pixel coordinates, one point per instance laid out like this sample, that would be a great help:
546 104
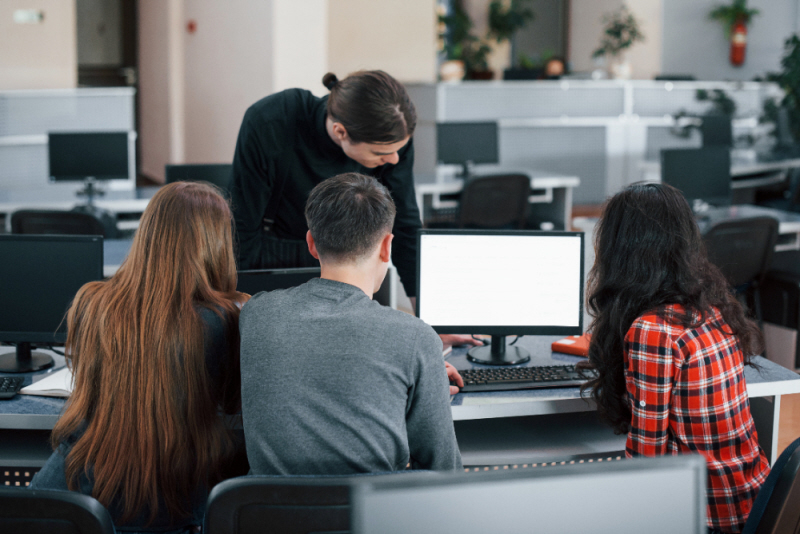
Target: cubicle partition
600 131
26 117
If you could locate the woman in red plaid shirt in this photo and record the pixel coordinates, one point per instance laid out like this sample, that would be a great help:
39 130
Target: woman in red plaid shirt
670 341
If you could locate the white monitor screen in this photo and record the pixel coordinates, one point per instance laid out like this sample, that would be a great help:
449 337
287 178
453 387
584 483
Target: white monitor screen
502 283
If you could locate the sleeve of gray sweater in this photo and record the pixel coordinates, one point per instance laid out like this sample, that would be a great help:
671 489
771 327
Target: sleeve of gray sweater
429 422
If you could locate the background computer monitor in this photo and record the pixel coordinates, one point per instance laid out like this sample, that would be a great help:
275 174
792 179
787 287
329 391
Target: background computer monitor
40 275
218 174
257 280
703 175
466 143
97 155
716 130
500 283
656 495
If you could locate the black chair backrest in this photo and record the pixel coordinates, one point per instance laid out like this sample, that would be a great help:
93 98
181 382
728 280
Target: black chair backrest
742 248
279 504
776 509
55 222
495 202
287 504
218 174
52 512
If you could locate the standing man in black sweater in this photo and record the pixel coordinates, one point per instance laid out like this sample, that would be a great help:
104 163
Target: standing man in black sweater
291 141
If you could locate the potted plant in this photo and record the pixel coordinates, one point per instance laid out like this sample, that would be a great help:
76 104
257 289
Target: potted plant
620 33
735 18
461 45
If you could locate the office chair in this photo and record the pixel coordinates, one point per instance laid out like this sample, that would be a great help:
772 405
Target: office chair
495 202
52 512
218 174
743 249
776 509
285 504
57 222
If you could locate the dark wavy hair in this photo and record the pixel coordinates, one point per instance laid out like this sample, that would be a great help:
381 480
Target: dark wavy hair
649 255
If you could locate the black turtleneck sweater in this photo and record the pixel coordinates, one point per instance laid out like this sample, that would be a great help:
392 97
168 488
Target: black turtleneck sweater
283 138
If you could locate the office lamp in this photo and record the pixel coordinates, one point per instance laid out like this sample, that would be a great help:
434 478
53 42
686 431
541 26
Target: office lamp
500 283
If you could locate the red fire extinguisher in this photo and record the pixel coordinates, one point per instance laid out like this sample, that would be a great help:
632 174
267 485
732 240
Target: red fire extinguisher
738 42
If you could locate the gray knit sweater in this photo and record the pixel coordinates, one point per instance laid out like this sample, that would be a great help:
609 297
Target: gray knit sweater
335 383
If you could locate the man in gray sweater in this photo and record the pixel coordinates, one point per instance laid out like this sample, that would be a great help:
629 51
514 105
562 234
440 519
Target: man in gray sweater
333 382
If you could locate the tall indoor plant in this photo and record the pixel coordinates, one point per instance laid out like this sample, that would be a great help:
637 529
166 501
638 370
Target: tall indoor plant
620 33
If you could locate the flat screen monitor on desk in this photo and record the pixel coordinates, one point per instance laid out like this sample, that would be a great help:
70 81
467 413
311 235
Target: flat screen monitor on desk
656 495
75 157
716 130
466 143
500 283
703 175
41 275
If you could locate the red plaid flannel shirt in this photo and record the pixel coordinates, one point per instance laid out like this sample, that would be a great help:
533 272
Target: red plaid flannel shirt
687 394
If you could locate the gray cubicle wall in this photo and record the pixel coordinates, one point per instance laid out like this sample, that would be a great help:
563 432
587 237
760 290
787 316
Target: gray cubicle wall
600 131
26 117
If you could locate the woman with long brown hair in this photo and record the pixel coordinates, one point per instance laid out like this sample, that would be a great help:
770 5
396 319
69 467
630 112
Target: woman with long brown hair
155 355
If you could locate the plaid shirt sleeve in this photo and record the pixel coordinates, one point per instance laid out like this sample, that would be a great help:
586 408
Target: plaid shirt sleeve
650 371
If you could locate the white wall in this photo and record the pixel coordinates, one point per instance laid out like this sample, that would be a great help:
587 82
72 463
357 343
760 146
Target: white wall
300 44
38 56
397 36
229 64
586 28
695 45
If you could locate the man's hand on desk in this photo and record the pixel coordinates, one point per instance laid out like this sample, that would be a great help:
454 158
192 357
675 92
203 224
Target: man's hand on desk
450 340
454 378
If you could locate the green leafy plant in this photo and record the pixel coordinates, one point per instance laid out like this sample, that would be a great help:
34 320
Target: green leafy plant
620 33
789 81
460 42
721 102
505 19
729 15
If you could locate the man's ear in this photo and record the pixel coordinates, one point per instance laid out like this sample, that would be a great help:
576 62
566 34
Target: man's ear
339 131
386 248
312 247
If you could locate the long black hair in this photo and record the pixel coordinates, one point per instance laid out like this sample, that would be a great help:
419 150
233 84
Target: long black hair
649 254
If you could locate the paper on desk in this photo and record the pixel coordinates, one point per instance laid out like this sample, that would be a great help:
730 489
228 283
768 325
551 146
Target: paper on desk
58 384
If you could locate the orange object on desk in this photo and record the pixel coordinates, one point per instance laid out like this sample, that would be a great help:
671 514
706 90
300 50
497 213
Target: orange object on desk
575 345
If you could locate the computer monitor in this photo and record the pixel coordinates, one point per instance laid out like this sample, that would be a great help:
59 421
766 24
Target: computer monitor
257 280
41 275
466 143
218 174
716 130
703 175
75 157
500 283
656 495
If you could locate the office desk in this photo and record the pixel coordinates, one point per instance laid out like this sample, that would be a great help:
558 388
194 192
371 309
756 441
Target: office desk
788 222
493 428
551 195
528 426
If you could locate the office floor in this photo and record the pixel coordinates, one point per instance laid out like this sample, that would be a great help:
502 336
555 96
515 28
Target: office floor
789 429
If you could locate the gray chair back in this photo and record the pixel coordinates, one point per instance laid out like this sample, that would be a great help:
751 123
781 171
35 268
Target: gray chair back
55 222
495 202
52 512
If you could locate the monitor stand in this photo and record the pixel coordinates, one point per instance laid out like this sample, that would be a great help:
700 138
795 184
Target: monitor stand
107 219
498 354
24 361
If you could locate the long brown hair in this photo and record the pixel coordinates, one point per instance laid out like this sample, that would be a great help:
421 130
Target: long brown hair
649 255
136 346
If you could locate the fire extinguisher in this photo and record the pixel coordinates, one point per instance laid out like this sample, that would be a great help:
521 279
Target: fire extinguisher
738 43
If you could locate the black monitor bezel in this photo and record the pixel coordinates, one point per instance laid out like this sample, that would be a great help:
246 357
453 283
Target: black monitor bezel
540 330
713 200
456 124
77 178
57 336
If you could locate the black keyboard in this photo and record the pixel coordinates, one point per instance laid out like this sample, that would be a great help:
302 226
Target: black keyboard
9 385
503 378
